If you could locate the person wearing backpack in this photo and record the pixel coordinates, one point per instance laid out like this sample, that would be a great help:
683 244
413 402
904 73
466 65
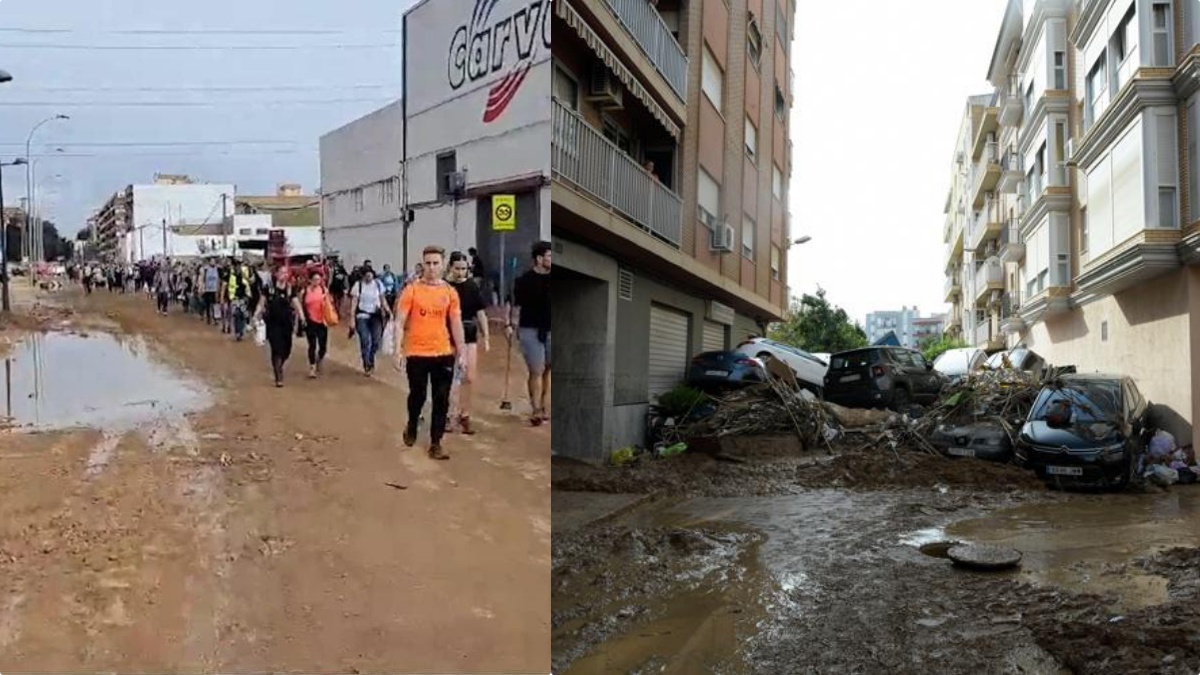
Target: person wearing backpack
371 314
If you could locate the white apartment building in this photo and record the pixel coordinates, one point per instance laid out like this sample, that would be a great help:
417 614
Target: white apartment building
1101 95
360 188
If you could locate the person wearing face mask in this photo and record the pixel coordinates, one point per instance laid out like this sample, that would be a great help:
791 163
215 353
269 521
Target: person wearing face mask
279 308
475 326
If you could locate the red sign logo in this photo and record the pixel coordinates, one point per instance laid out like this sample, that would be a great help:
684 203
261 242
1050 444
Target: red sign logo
485 46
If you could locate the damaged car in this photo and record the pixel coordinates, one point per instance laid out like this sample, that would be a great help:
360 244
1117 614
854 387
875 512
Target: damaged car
1085 430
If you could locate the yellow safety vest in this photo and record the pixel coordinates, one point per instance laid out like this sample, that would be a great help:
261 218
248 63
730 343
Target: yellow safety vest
233 285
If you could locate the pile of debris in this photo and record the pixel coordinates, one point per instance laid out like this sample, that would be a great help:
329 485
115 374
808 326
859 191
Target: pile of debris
766 409
1004 396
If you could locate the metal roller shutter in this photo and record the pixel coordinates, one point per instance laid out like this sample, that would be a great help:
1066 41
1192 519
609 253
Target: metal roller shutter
714 337
668 350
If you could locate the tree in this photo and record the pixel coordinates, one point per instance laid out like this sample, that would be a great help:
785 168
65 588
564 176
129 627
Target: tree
53 245
814 325
84 234
943 344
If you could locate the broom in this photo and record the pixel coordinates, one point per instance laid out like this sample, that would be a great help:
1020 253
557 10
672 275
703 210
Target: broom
506 404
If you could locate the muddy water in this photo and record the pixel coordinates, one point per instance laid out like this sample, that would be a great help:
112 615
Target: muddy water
64 380
1087 543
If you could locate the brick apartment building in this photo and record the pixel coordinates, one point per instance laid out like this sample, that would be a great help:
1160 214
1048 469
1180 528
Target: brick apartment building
671 158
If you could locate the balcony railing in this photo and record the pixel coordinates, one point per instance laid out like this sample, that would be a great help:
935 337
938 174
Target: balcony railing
651 33
983 332
583 156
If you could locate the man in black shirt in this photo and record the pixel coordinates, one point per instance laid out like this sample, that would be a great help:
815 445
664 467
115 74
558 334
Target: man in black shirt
530 316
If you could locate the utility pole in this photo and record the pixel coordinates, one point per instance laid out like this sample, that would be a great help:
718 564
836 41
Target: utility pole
224 215
164 237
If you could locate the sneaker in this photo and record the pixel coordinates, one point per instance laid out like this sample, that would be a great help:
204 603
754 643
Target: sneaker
410 436
436 452
464 425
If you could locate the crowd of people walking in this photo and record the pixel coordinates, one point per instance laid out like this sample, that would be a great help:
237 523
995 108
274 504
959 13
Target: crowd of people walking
433 321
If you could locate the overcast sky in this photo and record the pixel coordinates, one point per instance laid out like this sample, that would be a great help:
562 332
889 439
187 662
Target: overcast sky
881 87
108 146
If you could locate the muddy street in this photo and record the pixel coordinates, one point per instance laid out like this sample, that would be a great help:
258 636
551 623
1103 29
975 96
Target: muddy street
168 509
802 563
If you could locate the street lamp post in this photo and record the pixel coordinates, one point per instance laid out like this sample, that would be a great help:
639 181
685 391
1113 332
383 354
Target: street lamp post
5 301
29 177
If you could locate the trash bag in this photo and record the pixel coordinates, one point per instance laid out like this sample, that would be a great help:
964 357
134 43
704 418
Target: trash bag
671 451
389 339
260 332
623 456
1162 475
1162 444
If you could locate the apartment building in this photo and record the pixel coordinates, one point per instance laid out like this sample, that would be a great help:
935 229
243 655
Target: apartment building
671 158
1102 264
140 222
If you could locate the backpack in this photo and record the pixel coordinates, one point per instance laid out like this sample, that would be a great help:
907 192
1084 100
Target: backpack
382 296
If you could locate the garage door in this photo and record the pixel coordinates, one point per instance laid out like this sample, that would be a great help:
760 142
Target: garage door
668 350
714 336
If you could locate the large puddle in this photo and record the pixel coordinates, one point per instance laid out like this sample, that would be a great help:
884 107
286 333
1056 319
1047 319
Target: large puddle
63 380
1087 543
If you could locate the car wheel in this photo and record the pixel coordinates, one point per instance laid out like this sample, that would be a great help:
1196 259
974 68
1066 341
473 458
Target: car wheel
900 399
764 356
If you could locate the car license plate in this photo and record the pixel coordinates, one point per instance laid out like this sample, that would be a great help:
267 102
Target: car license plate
851 378
961 452
1064 470
717 373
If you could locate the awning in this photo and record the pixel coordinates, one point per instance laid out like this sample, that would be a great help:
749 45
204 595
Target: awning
577 22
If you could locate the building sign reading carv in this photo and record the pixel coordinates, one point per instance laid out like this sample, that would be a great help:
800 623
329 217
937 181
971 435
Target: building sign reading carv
488 45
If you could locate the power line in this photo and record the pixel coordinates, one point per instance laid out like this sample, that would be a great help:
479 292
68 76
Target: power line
247 88
196 31
289 48
186 104
157 143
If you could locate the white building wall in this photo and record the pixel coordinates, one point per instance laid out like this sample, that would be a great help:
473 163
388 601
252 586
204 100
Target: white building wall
179 205
1115 193
448 109
366 155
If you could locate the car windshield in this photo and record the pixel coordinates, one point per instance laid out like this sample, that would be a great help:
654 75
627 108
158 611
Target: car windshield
1016 357
860 359
953 362
1089 402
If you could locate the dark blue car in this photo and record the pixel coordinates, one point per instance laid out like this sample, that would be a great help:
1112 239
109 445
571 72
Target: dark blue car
711 371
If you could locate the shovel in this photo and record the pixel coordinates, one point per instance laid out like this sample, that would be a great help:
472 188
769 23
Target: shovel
506 404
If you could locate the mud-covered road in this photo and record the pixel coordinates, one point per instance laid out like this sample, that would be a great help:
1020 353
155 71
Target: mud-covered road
813 564
166 509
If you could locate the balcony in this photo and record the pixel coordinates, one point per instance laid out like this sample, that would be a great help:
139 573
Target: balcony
581 155
987 225
1011 321
987 174
1011 106
1012 172
651 33
1012 247
953 285
986 131
989 277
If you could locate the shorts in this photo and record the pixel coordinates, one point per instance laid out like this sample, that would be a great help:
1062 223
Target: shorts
536 352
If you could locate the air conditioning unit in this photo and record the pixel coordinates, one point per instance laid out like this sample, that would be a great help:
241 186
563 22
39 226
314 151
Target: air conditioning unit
456 183
604 90
722 237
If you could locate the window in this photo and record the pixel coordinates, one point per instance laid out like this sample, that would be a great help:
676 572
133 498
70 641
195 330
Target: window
1162 34
754 41
775 262
1083 231
1029 99
1060 153
747 238
447 163
1060 70
780 102
566 87
617 134
358 199
777 182
244 231
751 138
781 25
1104 331
1097 85
1166 207
1124 48
387 192
708 194
712 80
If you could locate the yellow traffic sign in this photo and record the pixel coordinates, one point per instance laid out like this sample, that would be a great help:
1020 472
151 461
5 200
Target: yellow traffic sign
504 213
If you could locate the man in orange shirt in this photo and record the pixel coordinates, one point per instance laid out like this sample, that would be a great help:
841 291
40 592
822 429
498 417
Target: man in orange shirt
429 338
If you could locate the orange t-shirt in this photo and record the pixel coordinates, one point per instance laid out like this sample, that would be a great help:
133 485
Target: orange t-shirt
314 305
427 310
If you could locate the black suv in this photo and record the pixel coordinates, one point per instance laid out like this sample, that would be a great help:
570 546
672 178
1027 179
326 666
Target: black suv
879 377
1085 429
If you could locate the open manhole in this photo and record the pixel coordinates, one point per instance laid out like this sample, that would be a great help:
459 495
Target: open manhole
938 549
984 558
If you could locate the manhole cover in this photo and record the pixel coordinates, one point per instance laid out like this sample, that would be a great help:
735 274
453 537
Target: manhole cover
984 557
